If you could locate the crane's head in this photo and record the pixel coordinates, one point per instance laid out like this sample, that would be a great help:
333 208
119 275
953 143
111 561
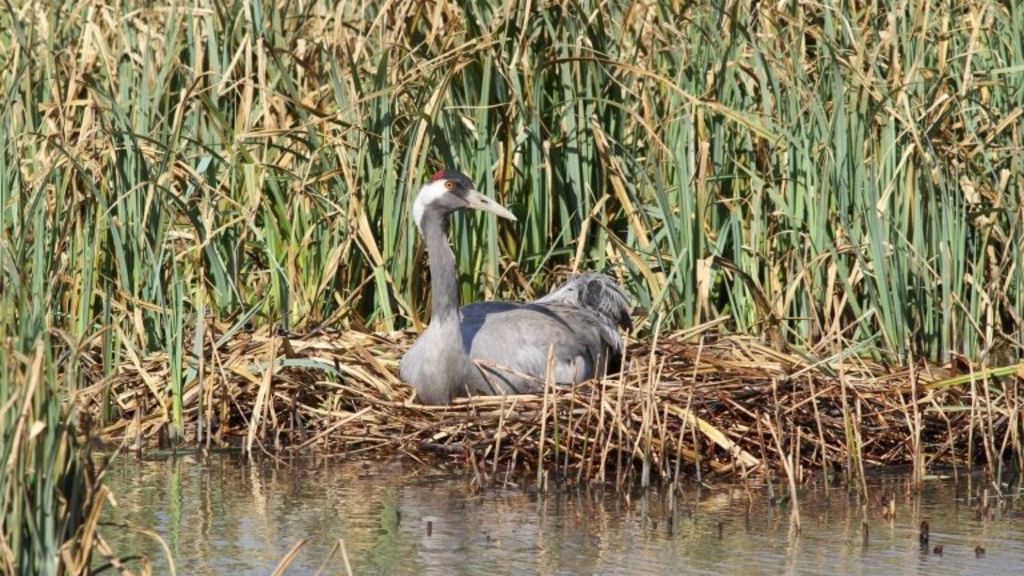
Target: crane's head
450 190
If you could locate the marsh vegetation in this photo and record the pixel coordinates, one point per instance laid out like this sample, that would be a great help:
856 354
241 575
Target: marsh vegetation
205 240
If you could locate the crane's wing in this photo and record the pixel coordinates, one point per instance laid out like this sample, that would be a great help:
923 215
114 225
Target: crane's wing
510 343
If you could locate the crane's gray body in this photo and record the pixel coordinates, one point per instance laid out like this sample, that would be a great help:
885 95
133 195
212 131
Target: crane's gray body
503 348
493 348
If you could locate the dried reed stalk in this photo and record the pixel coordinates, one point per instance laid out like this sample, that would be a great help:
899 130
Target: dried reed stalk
687 401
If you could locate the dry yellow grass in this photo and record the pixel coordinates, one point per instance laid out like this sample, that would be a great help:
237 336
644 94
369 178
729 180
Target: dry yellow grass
684 402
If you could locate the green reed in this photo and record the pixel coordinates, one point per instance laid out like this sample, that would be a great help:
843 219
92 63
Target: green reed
857 164
50 497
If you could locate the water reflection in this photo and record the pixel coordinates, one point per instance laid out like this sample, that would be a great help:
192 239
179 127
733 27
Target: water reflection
225 517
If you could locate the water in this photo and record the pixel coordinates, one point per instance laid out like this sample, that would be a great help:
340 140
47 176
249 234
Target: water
224 517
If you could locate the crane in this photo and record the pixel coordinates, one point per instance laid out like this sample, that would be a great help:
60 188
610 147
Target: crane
496 347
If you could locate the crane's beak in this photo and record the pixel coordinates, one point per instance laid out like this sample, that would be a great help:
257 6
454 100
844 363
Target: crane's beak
477 200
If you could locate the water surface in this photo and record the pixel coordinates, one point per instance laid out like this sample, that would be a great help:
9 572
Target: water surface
223 516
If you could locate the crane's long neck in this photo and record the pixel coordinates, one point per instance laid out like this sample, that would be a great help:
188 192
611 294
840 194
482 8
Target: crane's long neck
443 278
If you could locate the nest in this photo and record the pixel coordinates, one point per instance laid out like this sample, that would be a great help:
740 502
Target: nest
684 403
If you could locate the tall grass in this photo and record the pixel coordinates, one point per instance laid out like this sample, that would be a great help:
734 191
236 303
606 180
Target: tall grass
50 498
829 175
859 167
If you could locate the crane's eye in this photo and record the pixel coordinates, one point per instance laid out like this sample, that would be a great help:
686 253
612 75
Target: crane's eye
449 185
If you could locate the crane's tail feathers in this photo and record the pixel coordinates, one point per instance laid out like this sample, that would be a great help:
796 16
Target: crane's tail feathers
597 292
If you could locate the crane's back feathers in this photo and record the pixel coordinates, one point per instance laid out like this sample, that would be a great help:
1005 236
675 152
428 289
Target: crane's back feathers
596 292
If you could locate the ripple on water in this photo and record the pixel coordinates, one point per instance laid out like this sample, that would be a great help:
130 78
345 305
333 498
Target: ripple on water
223 516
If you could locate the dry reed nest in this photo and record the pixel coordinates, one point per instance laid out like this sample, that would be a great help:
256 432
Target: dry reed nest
685 402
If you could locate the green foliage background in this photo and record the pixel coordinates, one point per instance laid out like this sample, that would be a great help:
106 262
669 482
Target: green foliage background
858 166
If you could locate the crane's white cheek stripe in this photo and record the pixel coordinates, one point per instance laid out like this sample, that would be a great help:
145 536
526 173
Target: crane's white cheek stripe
428 194
417 212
